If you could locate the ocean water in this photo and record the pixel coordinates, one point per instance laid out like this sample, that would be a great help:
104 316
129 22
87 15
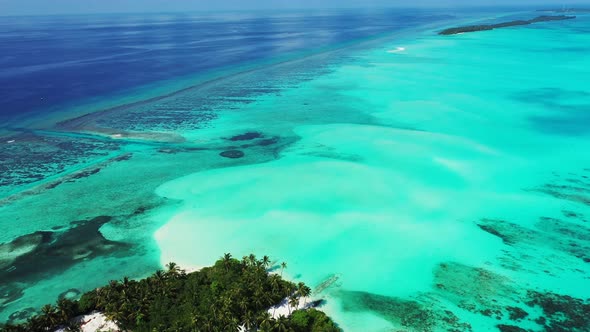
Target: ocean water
414 181
52 61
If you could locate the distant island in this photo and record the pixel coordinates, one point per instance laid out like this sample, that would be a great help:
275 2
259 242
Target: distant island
232 295
486 27
566 10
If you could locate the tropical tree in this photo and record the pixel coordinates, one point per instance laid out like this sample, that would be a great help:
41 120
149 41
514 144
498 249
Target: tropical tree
281 324
249 321
265 321
66 310
173 269
265 262
217 298
226 261
159 278
49 317
293 302
252 259
304 292
283 267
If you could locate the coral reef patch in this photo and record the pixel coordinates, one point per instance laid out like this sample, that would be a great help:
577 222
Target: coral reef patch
559 236
232 154
33 157
246 136
46 252
505 304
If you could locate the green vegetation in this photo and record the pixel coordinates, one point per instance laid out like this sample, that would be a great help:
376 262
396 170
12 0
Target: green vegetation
230 294
486 27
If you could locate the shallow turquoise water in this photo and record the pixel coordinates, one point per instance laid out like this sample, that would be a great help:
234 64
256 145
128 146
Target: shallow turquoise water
452 132
406 177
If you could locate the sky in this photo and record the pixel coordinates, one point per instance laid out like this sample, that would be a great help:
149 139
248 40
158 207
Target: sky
37 7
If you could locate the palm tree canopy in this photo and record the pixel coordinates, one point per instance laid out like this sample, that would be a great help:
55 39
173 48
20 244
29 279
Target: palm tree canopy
217 298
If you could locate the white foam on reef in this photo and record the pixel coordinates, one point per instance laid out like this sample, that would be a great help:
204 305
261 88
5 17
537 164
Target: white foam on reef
397 50
11 141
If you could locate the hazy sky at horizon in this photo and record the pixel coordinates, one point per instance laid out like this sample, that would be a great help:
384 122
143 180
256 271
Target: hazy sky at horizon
33 7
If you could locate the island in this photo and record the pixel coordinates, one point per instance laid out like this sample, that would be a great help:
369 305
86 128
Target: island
566 10
486 27
232 295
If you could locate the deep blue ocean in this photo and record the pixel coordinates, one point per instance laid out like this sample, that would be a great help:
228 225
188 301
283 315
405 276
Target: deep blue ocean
50 61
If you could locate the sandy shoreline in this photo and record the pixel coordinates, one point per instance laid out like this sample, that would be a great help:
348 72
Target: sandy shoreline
94 322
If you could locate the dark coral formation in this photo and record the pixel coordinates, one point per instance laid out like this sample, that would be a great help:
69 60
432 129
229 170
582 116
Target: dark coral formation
480 291
564 229
510 328
56 251
516 313
415 315
9 294
254 139
22 245
578 194
560 236
407 313
574 215
567 116
504 236
69 178
562 312
246 136
506 304
21 315
147 115
31 157
487 27
474 289
232 154
268 141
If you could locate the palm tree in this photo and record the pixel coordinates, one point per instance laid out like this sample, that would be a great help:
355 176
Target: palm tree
259 298
265 321
252 259
209 323
281 324
66 309
243 304
293 302
249 322
231 324
275 286
283 267
226 261
73 327
265 262
173 269
49 316
304 292
159 278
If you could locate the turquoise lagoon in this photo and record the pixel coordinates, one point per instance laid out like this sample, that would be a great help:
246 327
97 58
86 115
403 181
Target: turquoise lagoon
415 182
